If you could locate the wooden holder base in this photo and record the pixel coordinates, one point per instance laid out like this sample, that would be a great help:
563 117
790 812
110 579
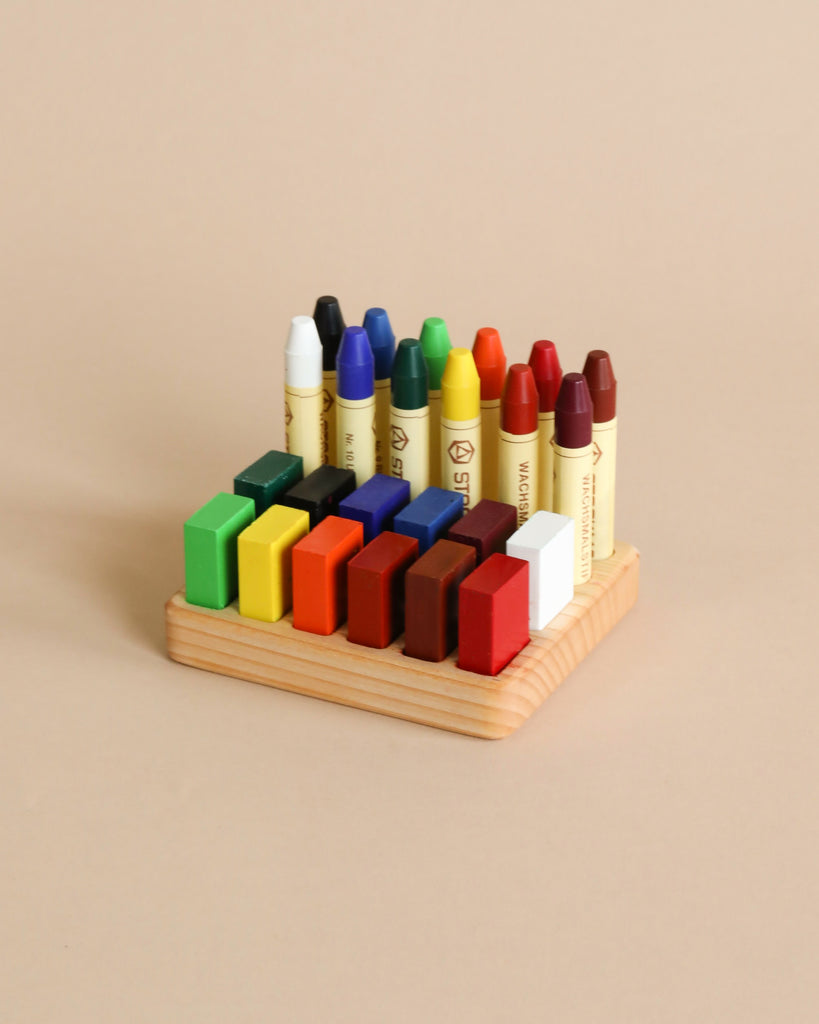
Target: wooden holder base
385 681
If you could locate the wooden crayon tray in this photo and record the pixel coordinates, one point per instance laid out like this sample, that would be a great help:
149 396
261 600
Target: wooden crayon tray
438 694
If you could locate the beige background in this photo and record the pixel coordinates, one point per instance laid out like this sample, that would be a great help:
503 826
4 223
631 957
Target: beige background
176 181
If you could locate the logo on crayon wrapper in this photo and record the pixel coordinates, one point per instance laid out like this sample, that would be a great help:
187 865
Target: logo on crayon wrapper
326 401
398 438
288 415
461 452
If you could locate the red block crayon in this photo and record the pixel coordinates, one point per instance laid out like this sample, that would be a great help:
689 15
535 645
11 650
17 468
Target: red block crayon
494 614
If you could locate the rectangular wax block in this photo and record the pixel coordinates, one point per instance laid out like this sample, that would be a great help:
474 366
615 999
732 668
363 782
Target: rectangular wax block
546 541
431 591
493 614
430 516
265 562
320 574
268 478
210 550
486 527
320 492
375 589
375 503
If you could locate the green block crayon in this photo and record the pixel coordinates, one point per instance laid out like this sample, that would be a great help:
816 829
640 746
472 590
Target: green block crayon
211 566
268 478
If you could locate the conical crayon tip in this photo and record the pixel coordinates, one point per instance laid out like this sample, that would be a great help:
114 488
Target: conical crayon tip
382 340
599 376
330 325
354 365
436 346
460 386
519 403
573 412
490 360
546 368
409 375
302 354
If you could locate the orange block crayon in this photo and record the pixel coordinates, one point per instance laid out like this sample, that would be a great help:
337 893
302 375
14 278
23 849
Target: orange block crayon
320 574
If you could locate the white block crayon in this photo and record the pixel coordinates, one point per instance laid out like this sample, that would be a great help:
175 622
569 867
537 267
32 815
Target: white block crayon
546 541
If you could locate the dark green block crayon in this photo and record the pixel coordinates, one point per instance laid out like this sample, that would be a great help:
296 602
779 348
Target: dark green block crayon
268 478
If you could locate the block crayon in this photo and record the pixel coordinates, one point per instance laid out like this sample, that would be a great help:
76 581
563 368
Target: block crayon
461 427
493 619
548 375
431 592
490 361
211 579
436 346
518 441
429 516
409 417
375 504
265 562
303 392
355 404
486 527
375 589
574 465
320 492
330 325
320 574
546 542
382 342
266 480
603 391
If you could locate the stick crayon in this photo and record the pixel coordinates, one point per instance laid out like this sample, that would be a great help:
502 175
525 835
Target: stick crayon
303 392
546 368
518 442
436 346
603 390
382 342
330 325
461 427
574 466
355 405
490 360
409 417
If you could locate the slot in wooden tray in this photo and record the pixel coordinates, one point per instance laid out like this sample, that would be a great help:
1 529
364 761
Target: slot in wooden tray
438 694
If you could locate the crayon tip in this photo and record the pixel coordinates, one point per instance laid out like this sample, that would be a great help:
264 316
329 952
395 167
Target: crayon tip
409 375
599 376
436 347
490 360
302 354
519 403
330 326
460 387
546 368
573 412
354 365
382 340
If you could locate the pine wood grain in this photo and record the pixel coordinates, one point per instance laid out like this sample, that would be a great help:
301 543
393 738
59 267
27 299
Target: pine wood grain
441 694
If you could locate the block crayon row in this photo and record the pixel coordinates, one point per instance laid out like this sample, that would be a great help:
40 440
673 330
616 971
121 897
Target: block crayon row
386 564
433 414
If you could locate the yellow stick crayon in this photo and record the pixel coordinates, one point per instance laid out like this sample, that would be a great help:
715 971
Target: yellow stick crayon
461 427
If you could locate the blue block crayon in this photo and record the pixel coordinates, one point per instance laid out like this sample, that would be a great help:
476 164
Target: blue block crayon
375 504
429 516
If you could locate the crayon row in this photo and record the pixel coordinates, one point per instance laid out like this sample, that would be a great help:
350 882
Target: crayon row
385 563
428 413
